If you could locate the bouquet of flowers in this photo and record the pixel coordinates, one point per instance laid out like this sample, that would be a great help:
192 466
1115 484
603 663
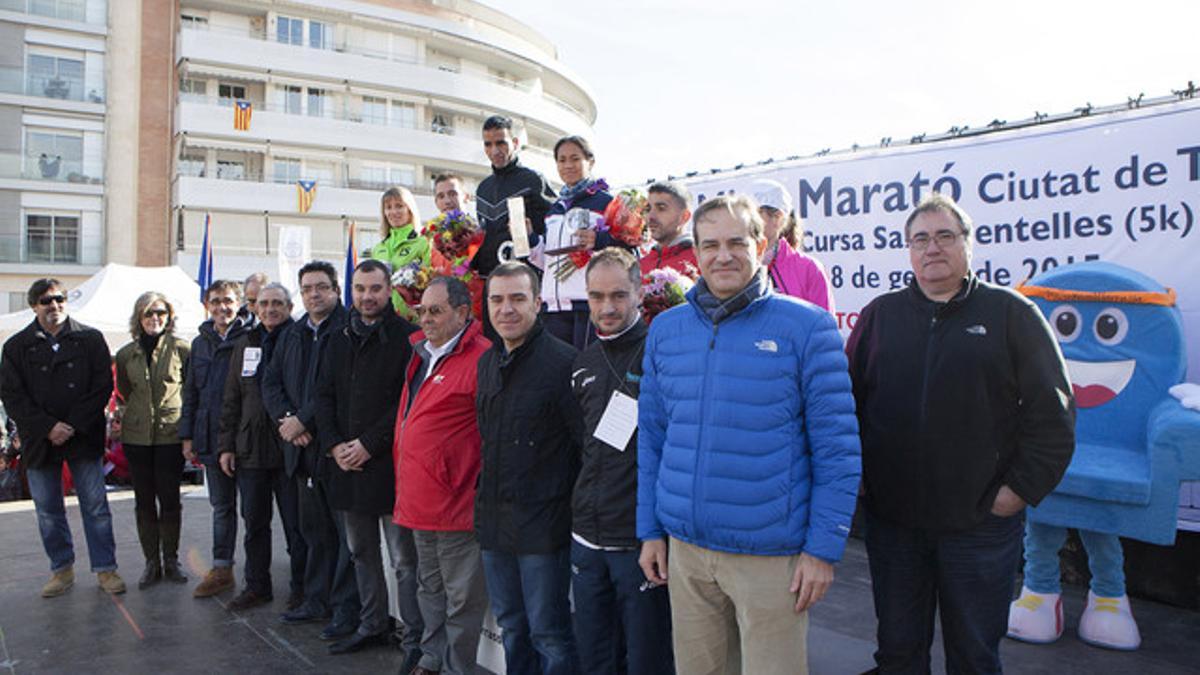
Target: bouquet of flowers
623 220
454 235
664 288
410 281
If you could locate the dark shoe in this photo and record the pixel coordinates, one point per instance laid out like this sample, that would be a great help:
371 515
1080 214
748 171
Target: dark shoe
338 630
247 600
411 659
295 600
422 671
302 614
152 574
171 571
358 642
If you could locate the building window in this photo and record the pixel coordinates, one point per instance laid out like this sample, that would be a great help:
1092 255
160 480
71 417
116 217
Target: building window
317 102
442 123
54 156
374 110
404 115
192 163
54 77
404 174
292 100
290 31
231 169
50 238
193 21
228 93
320 35
322 172
191 89
70 10
287 170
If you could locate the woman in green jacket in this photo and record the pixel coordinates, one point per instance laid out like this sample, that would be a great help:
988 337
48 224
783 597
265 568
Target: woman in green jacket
402 244
150 374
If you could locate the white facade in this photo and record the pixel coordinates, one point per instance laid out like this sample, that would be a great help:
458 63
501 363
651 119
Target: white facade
52 142
357 96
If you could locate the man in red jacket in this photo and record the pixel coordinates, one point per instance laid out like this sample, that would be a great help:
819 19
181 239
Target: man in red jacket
437 463
667 220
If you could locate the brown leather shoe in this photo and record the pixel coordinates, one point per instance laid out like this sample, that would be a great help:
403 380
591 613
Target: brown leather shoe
59 582
218 580
423 671
111 582
248 599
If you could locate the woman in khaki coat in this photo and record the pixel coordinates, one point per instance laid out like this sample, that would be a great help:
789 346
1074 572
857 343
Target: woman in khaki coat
150 373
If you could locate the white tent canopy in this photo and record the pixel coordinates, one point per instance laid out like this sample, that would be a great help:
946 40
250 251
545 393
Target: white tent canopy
105 302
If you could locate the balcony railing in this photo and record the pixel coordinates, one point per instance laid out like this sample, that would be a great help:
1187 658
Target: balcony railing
66 10
30 83
51 167
350 183
63 247
344 47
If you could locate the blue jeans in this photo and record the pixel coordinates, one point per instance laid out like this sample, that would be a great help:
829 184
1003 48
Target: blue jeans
965 575
529 597
1106 560
45 486
613 600
222 495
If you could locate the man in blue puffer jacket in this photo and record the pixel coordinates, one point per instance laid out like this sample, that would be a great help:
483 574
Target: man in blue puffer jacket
748 456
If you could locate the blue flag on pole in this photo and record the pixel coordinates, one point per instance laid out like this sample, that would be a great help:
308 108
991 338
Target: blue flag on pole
351 263
205 275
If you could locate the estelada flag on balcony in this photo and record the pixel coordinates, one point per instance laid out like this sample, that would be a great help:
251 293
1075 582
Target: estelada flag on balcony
241 115
351 263
205 276
306 192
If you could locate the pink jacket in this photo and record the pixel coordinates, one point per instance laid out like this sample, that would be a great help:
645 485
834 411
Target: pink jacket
801 276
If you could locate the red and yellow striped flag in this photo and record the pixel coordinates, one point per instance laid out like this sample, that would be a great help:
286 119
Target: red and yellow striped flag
306 192
241 115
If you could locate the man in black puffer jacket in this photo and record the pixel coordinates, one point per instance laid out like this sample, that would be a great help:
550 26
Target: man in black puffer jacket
609 585
252 454
531 427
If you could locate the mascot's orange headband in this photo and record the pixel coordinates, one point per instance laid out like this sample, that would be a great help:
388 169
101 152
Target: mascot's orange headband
1115 297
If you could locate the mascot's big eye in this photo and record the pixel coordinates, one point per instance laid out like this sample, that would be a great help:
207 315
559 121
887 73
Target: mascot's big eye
1111 326
1066 321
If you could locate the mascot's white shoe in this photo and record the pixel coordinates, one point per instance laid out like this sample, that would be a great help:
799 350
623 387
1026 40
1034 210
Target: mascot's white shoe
1036 617
1109 623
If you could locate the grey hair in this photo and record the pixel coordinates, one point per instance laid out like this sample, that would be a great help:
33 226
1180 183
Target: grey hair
276 286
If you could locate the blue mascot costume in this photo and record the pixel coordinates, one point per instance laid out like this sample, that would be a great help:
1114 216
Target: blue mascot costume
1122 337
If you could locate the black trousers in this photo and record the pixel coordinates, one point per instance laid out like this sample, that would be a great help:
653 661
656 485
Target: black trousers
156 471
256 488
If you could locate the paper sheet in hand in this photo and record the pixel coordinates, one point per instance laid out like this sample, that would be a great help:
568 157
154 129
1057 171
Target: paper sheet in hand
516 227
250 360
618 422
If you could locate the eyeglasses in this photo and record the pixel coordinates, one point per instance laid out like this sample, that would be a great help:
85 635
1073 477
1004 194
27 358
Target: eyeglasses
155 312
320 288
432 310
943 238
47 300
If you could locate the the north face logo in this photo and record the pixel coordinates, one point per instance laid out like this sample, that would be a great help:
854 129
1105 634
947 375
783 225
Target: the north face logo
767 346
977 329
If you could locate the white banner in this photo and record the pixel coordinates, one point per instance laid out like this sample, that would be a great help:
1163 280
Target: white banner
1122 187
295 249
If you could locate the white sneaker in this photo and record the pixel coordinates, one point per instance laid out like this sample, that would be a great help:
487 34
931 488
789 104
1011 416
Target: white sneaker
1109 623
1036 617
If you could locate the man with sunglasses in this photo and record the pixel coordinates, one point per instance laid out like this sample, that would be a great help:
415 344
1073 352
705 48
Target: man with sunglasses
966 417
55 380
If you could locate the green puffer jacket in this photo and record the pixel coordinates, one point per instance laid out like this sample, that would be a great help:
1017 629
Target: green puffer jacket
403 246
153 396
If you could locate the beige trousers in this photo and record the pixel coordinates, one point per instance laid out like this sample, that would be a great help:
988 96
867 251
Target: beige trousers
733 614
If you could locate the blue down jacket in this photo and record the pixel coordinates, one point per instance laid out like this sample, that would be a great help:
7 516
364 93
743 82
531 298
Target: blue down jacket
747 438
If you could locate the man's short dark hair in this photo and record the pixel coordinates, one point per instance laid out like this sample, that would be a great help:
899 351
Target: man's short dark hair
39 288
683 198
443 177
222 285
739 206
619 258
456 291
936 201
498 122
373 265
514 268
319 266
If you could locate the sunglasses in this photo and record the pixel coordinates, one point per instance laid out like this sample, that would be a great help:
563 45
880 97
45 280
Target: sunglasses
154 312
47 300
